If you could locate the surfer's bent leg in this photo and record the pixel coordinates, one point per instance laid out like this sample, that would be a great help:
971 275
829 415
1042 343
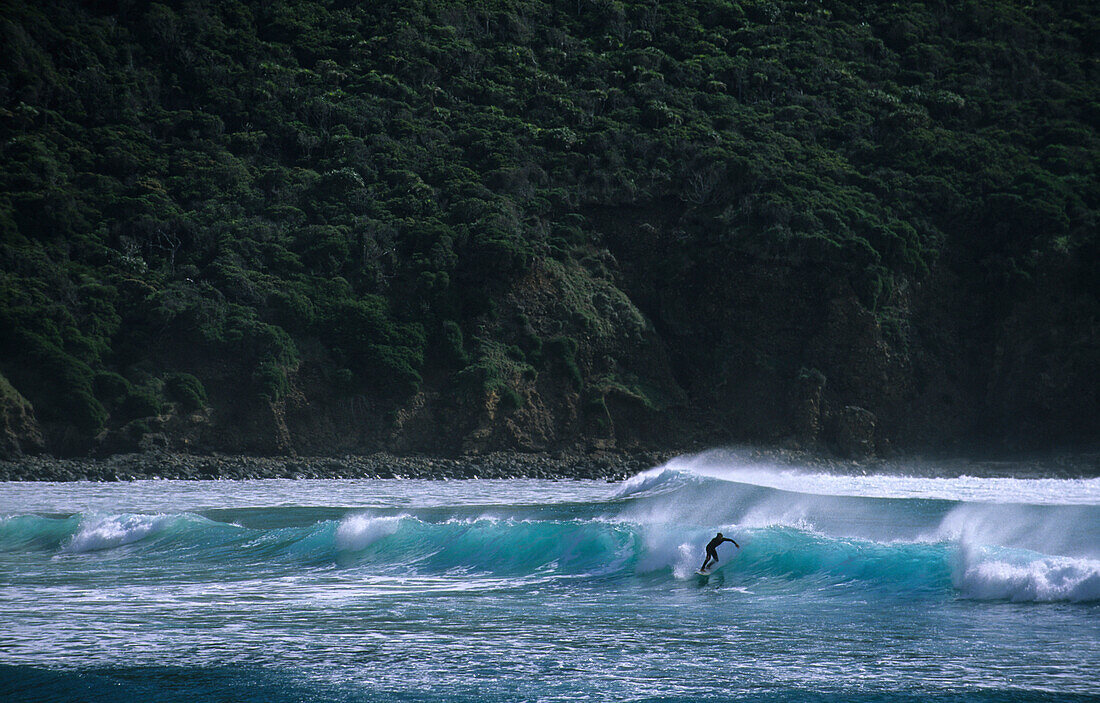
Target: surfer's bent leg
711 556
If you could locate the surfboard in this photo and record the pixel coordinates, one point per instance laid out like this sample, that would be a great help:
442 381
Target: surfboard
703 572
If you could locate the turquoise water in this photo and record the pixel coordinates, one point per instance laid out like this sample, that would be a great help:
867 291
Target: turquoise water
845 588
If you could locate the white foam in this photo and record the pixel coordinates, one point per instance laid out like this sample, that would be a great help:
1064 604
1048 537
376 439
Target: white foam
1041 579
742 467
358 532
106 532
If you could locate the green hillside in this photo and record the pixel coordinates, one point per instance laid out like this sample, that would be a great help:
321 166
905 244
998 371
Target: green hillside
441 226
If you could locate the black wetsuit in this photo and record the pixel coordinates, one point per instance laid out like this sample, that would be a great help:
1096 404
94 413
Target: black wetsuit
712 547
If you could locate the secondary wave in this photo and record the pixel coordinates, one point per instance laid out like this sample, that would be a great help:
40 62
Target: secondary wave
1021 576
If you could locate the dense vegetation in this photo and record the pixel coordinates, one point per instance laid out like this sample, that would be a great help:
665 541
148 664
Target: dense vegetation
208 203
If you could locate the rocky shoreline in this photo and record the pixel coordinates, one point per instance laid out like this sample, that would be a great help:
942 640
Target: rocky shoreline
608 466
168 465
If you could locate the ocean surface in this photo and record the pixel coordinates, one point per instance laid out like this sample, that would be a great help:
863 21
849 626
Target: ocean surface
845 588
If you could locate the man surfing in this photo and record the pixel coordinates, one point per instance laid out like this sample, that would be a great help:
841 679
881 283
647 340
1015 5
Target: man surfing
712 550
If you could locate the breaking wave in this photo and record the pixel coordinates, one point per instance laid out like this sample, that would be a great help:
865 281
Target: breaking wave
984 539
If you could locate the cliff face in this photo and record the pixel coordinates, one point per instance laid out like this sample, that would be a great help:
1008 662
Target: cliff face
571 362
19 431
741 352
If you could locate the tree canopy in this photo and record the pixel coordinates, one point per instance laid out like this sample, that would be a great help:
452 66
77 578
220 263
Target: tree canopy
194 186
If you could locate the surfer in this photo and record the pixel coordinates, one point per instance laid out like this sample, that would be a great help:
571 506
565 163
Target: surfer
712 550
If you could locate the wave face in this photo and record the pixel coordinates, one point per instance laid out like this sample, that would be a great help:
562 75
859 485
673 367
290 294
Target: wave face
843 588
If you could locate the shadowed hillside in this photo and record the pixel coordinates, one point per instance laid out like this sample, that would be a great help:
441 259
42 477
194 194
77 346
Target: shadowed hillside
314 227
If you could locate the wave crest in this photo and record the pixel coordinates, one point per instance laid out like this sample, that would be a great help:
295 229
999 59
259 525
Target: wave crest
750 468
106 532
652 481
358 532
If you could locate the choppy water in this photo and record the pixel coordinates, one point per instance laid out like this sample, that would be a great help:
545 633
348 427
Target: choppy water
845 588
